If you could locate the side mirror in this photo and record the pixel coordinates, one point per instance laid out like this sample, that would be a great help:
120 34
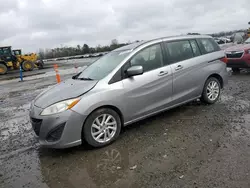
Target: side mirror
134 70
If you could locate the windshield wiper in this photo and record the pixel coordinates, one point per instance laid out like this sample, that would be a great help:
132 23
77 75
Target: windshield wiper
84 78
76 76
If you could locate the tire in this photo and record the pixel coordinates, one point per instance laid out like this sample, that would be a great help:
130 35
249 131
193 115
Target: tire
28 66
208 99
89 130
3 69
236 69
40 64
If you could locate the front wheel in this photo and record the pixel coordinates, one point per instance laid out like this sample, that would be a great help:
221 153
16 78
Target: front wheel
211 91
3 69
28 66
102 127
40 64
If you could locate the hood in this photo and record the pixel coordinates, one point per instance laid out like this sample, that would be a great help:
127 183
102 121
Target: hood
238 47
63 91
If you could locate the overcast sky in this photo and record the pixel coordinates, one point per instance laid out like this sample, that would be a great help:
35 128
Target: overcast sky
34 24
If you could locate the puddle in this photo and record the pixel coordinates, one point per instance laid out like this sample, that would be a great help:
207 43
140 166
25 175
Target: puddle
76 167
95 168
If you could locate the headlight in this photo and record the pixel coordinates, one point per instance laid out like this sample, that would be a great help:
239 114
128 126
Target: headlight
60 107
248 51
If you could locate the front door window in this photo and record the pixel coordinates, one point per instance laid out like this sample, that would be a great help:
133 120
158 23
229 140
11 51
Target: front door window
149 58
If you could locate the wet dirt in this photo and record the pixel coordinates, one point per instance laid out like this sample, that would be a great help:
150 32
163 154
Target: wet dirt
48 67
194 145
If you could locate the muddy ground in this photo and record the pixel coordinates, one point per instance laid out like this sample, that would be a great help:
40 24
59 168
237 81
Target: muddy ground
48 67
194 145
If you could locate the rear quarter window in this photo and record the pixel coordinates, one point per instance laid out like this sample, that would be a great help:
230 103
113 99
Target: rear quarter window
208 45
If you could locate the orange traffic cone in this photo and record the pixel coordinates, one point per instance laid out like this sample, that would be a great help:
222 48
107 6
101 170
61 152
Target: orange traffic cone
58 79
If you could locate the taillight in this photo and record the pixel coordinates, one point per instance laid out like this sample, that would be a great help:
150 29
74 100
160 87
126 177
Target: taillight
224 59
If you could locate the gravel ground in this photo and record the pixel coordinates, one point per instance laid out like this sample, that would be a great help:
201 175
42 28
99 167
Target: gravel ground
194 145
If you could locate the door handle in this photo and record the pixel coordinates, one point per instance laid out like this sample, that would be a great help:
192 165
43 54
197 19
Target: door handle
179 67
162 73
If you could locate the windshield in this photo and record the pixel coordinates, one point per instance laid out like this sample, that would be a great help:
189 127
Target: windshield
103 66
248 40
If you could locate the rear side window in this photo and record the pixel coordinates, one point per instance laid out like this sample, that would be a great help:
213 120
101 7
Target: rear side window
178 51
208 45
195 48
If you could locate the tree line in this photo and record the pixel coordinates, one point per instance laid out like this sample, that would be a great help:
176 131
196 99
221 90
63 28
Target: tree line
222 33
78 50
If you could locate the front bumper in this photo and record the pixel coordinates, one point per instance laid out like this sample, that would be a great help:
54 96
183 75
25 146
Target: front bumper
238 63
67 126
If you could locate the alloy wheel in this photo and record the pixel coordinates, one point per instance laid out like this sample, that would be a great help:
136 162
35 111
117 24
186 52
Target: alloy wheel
213 90
103 128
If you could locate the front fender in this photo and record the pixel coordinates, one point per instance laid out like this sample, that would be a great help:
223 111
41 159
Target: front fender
96 98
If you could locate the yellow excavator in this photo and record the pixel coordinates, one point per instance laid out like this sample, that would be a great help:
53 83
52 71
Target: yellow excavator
28 61
13 59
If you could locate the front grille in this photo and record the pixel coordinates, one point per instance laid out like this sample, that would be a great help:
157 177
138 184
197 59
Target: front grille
234 54
36 125
56 133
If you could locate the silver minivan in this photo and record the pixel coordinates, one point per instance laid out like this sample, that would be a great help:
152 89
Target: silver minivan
126 85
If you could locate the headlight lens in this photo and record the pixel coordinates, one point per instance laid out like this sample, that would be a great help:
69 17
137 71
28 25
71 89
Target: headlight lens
248 51
60 107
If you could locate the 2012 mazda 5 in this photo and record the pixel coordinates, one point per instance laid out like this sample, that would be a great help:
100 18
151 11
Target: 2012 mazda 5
126 85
